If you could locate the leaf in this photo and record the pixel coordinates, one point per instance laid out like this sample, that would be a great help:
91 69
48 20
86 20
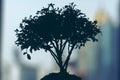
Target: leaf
31 49
45 50
95 21
16 30
22 47
28 56
24 53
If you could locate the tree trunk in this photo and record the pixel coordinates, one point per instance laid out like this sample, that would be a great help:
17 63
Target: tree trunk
62 70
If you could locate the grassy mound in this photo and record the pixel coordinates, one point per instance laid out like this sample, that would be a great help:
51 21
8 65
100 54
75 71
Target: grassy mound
60 76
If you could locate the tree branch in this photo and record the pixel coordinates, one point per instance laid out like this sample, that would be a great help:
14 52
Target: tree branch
54 56
64 44
56 42
61 42
68 47
68 57
58 52
53 45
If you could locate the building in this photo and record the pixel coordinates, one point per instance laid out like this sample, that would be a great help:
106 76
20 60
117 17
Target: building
19 70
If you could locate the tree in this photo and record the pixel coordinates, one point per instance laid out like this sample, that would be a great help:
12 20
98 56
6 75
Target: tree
54 29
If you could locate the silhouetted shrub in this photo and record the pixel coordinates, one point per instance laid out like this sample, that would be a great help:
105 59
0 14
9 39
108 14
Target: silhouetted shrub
54 30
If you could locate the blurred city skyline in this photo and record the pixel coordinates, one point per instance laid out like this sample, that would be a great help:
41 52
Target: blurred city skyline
105 11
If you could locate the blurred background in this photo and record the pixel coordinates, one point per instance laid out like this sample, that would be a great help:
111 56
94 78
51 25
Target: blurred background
95 61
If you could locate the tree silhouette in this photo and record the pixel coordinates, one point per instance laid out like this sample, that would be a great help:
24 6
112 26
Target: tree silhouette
54 30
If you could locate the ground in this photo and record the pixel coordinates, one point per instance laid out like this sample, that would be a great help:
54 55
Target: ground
60 76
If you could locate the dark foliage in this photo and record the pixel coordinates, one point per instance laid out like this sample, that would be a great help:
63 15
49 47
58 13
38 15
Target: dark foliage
58 76
53 29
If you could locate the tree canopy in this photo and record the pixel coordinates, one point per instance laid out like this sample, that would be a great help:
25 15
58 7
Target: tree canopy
55 28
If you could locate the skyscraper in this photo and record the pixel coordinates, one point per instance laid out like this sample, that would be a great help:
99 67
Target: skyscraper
105 50
0 34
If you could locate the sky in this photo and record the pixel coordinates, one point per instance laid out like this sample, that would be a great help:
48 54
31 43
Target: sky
15 10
